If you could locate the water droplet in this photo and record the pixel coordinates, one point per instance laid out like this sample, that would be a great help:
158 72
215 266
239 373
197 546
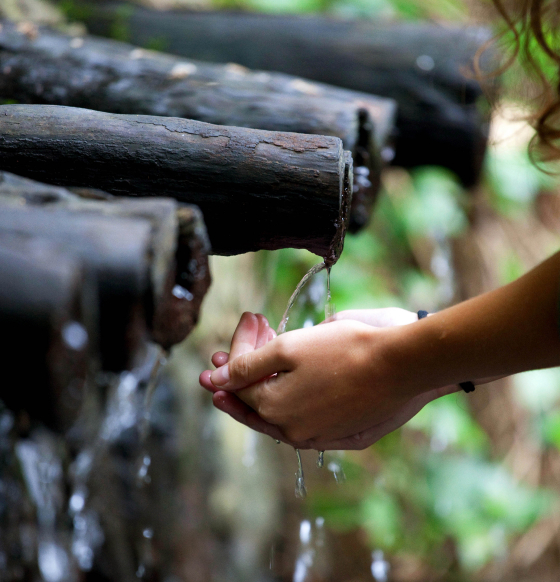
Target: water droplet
321 459
148 533
182 293
75 335
141 571
53 562
379 566
305 531
425 63
77 502
337 471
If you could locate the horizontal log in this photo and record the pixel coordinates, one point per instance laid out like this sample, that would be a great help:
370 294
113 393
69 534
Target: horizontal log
178 245
420 65
54 68
45 331
256 189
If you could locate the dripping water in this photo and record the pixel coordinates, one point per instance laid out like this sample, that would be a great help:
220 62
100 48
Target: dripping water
301 491
321 459
379 566
338 472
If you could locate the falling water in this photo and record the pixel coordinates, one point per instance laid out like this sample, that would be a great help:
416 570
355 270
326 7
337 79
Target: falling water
330 309
321 459
306 555
338 472
301 491
379 566
314 270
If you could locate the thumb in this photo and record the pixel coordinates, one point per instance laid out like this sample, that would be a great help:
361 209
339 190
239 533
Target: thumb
249 368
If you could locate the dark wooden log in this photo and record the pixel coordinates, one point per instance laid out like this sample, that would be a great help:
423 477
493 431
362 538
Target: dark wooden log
176 268
44 328
110 76
256 189
420 65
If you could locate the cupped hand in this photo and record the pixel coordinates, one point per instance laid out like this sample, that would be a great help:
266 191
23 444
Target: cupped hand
288 398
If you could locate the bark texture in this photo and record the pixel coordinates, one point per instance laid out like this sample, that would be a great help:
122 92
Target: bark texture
256 189
53 68
420 65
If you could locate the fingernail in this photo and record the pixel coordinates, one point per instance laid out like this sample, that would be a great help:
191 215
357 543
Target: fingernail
220 376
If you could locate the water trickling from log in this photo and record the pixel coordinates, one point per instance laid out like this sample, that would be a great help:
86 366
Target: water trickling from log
314 270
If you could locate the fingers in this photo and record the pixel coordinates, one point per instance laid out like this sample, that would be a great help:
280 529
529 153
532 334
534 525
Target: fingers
262 335
249 368
238 410
245 336
205 382
220 358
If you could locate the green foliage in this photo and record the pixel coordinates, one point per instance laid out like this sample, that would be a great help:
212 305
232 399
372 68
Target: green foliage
74 10
514 180
406 9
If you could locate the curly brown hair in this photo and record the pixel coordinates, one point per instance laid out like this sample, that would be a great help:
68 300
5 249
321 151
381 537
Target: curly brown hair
530 36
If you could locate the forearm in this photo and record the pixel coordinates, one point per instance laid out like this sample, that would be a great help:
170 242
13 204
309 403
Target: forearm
509 330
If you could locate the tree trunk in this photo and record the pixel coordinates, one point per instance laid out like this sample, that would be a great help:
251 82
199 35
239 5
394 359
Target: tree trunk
53 68
422 66
256 189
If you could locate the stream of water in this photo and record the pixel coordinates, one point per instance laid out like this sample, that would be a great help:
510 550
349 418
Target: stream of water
300 489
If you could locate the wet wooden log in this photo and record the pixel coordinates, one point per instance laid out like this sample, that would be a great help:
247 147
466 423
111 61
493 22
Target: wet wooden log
256 189
50 67
420 65
147 256
45 331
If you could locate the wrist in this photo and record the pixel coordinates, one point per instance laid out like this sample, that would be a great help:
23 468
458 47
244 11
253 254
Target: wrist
417 356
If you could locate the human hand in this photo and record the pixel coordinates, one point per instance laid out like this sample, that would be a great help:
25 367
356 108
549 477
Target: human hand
246 336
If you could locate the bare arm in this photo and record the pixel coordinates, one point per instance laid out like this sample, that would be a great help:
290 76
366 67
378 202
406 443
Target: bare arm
346 378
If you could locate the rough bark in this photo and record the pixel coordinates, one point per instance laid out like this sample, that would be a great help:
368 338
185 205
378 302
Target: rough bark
419 65
256 189
50 67
134 253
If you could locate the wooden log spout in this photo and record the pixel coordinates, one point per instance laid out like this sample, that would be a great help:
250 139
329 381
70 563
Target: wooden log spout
53 68
256 189
420 65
